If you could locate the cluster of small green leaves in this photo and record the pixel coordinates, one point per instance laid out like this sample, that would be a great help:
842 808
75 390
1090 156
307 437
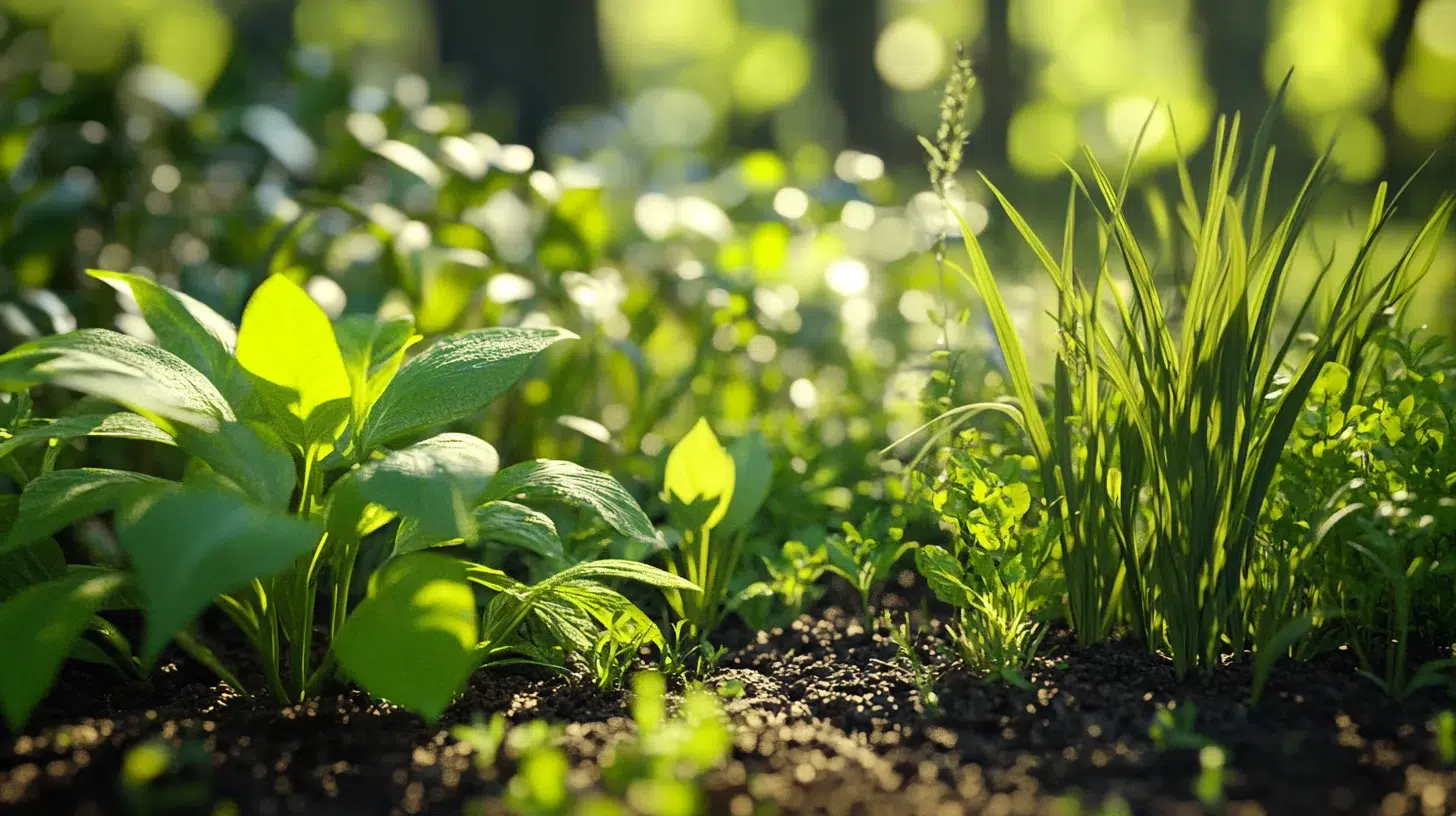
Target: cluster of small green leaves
1360 522
302 438
998 572
652 773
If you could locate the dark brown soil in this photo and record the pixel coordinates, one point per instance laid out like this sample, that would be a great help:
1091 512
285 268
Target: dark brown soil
828 723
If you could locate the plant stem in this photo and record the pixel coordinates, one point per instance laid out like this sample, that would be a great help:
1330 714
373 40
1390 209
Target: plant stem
202 654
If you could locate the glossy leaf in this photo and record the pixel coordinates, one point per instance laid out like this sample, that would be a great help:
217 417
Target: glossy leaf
412 641
41 624
192 545
452 379
287 341
555 480
944 575
700 469
373 351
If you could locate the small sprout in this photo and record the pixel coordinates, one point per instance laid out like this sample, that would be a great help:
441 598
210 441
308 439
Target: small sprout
730 689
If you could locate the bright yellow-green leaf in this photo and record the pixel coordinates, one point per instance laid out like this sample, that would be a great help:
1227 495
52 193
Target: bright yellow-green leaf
699 468
286 340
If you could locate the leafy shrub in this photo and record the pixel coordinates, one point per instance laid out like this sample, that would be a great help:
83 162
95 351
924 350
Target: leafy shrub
287 422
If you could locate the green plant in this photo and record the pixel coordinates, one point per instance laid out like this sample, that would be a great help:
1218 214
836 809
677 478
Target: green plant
651 773
1164 439
711 489
1175 727
996 573
287 423
866 562
616 651
910 662
793 585
1443 727
684 656
484 738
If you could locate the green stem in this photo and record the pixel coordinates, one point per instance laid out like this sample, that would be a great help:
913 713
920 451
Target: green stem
202 654
320 675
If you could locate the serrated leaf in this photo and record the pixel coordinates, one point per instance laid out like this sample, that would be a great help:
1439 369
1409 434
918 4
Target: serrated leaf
699 469
41 625
556 480
120 425
752 480
57 499
188 328
437 482
192 545
499 522
452 379
106 364
412 641
286 340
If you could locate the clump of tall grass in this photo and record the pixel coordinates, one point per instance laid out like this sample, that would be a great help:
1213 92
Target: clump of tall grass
1160 435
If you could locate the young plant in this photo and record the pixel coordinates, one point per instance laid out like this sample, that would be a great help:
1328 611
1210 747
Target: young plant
615 652
866 562
910 662
1186 421
712 495
794 584
290 425
995 574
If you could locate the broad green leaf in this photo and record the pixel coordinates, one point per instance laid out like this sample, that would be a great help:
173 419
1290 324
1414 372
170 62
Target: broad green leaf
192 545
189 329
621 569
700 469
412 641
944 575
106 364
41 625
453 378
555 480
373 351
609 607
752 480
121 425
287 340
21 567
57 499
499 522
250 456
437 482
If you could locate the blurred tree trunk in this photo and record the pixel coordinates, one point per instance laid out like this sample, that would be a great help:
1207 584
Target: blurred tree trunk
845 33
1235 33
993 59
540 55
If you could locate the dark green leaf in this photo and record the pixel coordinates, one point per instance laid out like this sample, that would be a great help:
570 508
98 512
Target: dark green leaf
57 499
555 480
192 545
452 379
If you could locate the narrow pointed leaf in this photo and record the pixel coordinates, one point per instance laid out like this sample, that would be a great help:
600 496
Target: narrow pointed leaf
121 425
499 522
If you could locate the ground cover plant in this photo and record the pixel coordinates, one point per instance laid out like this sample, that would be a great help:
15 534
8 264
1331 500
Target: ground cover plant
355 460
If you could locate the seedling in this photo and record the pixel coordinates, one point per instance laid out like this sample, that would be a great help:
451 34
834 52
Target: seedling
866 562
